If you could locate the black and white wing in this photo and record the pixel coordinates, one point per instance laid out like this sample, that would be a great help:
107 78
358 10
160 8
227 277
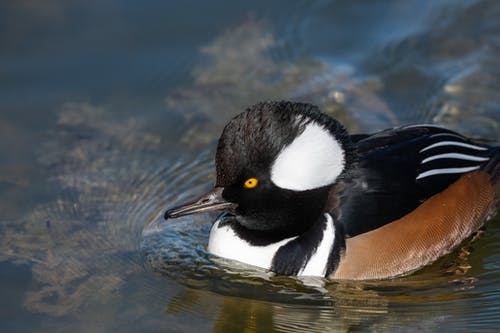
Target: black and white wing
400 168
450 154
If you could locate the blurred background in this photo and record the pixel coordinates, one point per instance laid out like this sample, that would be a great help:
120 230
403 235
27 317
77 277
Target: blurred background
110 112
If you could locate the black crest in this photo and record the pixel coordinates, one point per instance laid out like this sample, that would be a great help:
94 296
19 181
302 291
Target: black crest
254 138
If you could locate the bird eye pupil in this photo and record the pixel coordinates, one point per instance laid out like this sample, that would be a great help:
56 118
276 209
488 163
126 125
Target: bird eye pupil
251 182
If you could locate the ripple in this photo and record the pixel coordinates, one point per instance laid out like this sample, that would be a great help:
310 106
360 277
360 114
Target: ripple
426 300
83 243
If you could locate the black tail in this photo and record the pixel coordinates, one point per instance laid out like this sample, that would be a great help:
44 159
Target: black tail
492 167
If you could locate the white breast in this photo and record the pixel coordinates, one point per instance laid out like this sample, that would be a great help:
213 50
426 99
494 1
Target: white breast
225 243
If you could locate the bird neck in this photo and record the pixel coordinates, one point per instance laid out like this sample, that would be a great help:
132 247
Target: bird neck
298 224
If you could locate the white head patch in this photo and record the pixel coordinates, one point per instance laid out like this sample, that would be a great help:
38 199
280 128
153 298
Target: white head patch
314 159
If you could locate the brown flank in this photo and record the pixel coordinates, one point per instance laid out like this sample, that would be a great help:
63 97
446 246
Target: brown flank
434 229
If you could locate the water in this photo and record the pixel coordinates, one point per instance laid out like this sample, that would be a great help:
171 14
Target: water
110 112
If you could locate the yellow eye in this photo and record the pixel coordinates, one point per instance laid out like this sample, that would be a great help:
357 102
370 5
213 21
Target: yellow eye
251 182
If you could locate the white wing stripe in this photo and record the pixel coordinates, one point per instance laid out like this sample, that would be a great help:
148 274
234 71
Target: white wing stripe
453 143
455 156
446 171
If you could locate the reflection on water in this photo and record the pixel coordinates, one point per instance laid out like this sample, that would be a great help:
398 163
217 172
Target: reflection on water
258 301
426 302
85 213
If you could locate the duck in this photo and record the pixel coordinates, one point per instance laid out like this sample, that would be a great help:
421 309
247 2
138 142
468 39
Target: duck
300 196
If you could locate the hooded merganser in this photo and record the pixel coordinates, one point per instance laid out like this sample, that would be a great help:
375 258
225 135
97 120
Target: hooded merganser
301 196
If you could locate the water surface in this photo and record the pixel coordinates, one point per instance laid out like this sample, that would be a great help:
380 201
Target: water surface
109 113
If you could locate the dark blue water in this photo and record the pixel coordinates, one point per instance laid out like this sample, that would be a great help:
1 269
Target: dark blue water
109 112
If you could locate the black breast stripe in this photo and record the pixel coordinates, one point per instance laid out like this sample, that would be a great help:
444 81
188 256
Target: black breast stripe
294 255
